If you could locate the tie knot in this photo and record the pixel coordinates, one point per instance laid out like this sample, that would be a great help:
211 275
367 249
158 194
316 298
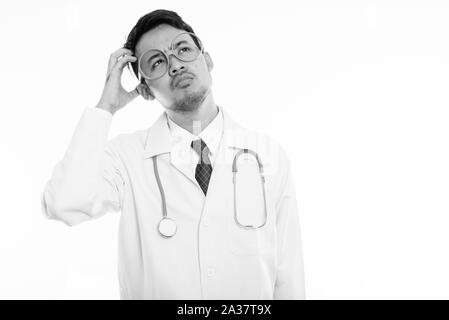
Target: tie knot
201 149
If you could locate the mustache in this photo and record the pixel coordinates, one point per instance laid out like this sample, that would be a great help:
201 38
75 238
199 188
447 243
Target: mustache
185 75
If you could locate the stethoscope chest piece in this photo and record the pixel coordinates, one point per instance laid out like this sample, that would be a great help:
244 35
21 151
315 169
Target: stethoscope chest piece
167 227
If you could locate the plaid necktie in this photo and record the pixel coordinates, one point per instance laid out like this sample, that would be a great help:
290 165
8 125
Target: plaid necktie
203 169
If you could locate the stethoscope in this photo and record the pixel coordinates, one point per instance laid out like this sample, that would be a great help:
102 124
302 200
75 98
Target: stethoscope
167 226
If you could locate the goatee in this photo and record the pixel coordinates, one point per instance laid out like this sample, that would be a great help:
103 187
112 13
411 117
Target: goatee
191 101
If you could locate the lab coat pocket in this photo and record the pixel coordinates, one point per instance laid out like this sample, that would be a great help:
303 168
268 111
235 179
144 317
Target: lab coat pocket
246 208
242 241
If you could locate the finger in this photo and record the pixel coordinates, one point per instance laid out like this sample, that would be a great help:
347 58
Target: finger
133 94
115 55
113 62
118 67
122 62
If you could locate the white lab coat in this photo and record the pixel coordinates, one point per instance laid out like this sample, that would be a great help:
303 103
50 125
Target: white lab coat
210 257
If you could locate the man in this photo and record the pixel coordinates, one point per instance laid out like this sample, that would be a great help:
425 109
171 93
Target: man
208 209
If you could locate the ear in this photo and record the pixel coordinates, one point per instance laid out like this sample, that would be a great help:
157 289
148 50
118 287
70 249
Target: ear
145 91
209 62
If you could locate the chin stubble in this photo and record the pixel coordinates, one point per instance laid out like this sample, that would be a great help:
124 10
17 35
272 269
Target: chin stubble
191 101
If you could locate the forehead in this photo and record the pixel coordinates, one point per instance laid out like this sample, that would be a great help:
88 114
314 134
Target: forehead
157 38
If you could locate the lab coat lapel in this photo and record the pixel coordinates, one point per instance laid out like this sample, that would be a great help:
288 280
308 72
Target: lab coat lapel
182 161
159 141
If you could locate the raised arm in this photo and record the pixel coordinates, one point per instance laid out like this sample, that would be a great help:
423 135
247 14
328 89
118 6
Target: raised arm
89 181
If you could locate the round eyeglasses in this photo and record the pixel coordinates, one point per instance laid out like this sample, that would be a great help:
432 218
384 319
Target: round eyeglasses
154 63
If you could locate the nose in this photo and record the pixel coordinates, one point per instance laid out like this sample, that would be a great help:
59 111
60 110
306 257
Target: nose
175 65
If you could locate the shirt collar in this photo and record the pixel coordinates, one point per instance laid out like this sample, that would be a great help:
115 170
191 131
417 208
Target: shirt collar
211 135
157 139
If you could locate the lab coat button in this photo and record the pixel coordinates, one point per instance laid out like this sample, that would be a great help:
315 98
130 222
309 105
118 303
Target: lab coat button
205 223
210 272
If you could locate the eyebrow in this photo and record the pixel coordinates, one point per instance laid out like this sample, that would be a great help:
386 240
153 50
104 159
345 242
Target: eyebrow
180 42
152 57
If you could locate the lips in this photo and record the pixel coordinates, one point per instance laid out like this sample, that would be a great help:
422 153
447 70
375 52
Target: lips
180 78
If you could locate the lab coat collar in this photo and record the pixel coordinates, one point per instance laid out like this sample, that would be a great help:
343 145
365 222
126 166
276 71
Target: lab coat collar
158 139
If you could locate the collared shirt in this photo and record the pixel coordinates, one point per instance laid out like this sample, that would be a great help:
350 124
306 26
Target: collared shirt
182 139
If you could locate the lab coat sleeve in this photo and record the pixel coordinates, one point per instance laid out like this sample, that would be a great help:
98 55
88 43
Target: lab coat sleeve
88 181
290 269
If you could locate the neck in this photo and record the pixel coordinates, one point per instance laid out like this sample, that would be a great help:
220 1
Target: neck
195 121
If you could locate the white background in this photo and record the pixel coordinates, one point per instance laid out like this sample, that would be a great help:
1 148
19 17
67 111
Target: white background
355 91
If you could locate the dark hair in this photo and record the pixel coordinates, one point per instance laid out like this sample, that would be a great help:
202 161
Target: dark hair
150 21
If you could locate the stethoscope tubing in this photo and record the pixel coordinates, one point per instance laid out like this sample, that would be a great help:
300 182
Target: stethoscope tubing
234 181
161 189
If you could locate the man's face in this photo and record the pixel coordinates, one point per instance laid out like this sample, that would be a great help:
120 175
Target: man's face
186 95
